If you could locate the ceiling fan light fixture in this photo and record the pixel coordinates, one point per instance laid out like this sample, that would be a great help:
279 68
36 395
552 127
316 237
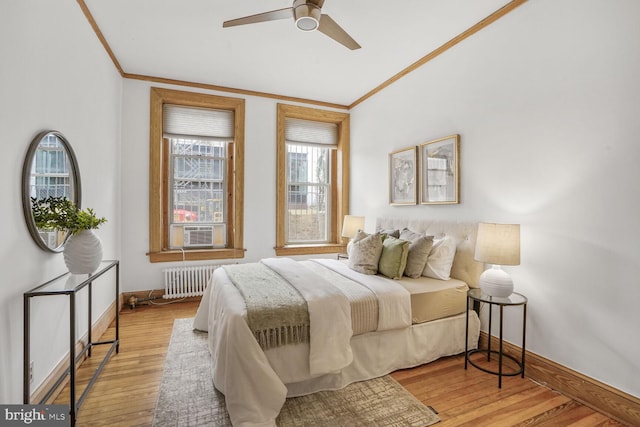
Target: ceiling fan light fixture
307 15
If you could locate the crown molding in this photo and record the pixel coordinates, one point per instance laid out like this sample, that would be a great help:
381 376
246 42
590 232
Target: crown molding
442 49
433 54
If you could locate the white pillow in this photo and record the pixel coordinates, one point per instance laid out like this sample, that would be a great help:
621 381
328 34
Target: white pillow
440 259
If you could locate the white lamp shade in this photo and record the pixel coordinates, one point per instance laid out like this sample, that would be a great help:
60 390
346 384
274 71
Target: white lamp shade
351 225
498 244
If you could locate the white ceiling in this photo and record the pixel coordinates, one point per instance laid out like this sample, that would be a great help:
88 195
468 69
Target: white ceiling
184 40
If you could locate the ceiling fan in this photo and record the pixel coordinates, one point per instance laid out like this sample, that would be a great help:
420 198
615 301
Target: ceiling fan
308 17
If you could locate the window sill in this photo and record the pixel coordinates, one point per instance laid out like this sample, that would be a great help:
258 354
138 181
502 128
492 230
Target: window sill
310 249
195 255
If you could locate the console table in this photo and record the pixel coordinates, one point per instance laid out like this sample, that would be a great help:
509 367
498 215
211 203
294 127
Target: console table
69 285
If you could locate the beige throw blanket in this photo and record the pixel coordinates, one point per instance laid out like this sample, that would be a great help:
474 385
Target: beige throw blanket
276 312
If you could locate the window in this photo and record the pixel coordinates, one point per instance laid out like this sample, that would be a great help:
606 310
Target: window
307 218
312 180
198 141
196 176
51 175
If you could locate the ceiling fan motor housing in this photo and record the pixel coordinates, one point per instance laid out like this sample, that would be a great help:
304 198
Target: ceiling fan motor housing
306 14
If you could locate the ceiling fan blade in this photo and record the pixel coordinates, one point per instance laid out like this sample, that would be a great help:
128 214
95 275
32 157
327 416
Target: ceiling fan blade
273 15
329 27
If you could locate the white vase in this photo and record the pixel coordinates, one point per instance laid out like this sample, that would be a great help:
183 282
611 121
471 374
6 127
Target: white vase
83 252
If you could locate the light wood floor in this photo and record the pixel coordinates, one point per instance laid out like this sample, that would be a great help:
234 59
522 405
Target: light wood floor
126 391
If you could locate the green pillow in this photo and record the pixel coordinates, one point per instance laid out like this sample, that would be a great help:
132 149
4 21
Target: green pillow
393 259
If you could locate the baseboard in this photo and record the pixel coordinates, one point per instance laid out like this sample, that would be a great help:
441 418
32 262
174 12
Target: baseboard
608 400
98 328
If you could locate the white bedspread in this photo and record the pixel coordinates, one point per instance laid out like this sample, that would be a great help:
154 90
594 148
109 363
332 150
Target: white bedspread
254 383
394 301
329 315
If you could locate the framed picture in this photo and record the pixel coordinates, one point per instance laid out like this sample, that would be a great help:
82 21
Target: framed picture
440 174
403 188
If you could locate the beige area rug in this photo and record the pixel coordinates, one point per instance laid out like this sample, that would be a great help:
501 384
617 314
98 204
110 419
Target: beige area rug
187 396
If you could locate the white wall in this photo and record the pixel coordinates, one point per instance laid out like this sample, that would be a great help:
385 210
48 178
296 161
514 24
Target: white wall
259 183
54 74
546 102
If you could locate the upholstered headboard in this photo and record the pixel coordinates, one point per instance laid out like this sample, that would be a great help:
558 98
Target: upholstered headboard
464 267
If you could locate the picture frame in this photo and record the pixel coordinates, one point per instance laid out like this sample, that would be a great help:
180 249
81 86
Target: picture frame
440 171
403 185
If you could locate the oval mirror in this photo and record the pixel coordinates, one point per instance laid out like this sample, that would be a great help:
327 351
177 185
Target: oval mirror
50 170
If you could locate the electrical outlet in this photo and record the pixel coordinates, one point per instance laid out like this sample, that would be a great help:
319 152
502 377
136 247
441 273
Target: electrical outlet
31 371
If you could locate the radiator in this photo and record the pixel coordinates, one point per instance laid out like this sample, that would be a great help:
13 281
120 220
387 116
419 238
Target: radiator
182 282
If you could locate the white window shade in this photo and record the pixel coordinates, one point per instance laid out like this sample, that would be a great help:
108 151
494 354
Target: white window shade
202 122
309 132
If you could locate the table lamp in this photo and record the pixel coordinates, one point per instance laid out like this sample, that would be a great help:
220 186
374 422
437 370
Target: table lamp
351 225
497 244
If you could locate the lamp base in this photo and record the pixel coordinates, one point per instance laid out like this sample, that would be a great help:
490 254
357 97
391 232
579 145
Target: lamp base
496 282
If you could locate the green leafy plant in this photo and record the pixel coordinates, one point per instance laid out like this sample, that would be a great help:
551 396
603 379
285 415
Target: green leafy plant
60 213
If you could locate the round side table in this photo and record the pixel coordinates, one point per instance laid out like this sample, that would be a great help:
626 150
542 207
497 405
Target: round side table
515 299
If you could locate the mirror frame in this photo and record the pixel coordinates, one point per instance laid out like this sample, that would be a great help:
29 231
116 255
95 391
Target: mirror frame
74 173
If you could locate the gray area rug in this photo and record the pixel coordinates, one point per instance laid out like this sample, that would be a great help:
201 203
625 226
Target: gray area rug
187 396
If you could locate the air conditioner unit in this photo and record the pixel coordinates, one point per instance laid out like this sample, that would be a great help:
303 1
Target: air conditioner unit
198 236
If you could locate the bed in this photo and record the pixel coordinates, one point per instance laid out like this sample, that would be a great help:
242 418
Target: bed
415 321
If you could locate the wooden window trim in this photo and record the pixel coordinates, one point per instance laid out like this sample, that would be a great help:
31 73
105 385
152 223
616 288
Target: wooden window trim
340 179
158 179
